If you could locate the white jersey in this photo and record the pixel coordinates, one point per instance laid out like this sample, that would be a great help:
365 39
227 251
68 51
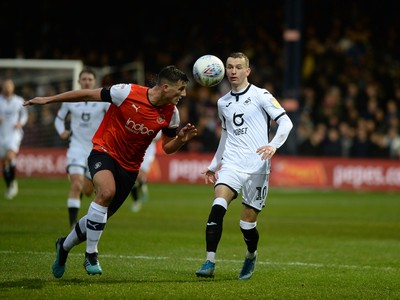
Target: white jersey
150 154
11 113
85 120
246 118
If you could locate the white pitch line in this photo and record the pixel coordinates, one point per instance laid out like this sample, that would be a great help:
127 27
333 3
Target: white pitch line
298 264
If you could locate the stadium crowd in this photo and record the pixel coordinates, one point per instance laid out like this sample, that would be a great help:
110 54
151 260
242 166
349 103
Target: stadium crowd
349 102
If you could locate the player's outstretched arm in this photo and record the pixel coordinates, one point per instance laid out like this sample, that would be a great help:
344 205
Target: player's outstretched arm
70 96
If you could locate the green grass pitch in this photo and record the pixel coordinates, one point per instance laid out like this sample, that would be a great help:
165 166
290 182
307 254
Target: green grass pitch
313 245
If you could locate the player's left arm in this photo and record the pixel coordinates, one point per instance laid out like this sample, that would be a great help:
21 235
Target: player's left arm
172 144
70 96
285 125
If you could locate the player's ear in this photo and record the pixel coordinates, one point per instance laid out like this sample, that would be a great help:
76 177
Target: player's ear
165 87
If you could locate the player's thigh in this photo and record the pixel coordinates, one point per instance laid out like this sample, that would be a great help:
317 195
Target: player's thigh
228 184
11 144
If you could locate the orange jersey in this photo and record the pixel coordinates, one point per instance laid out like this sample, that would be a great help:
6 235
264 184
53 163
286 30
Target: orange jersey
131 123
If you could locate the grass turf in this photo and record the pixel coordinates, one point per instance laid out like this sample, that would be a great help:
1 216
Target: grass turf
313 245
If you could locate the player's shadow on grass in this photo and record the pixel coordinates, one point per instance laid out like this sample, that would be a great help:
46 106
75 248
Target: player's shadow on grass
29 284
103 281
38 284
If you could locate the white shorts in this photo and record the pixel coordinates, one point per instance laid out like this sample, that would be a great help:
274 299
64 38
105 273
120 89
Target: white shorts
254 187
11 142
77 162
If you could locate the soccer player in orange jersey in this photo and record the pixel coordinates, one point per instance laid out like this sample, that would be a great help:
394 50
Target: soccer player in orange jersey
136 114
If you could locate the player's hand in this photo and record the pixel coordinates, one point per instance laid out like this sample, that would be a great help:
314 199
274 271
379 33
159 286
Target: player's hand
187 133
65 135
266 152
209 176
36 100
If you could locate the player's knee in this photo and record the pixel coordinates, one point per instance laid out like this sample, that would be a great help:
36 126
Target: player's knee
76 186
87 190
104 196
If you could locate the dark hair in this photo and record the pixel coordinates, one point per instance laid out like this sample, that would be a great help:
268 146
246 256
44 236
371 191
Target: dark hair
87 70
171 74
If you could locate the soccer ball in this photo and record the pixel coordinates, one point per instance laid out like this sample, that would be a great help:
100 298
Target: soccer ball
208 70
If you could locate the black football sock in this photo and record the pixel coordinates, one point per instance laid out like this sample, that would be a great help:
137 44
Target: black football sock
6 176
73 215
251 238
12 172
134 193
214 227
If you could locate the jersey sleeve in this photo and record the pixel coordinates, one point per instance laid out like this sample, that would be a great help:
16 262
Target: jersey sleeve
278 114
59 121
175 120
216 161
271 105
23 116
119 92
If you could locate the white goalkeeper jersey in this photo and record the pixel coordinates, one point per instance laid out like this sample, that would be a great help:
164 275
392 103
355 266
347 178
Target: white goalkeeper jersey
246 118
85 120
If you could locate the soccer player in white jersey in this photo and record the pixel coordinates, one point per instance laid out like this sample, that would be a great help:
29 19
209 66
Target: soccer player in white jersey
13 117
84 118
242 161
139 191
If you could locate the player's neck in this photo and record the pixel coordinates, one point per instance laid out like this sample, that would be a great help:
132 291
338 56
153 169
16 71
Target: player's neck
240 88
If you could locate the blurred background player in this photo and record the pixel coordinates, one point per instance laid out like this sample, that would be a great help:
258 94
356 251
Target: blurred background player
13 117
84 118
140 189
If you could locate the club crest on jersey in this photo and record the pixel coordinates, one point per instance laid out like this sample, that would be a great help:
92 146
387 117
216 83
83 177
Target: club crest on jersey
161 119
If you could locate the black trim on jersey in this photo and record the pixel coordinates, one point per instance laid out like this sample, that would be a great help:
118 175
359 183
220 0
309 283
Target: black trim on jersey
58 117
279 116
239 94
106 95
170 132
224 123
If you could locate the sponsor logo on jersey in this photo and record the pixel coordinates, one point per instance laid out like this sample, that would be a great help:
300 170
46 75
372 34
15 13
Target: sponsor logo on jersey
85 117
138 128
238 119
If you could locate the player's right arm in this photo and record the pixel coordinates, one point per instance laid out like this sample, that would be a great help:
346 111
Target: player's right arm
59 122
70 96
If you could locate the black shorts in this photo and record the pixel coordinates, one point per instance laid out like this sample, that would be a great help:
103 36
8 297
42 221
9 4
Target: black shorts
124 180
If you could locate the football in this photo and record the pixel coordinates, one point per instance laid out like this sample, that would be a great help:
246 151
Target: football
208 70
